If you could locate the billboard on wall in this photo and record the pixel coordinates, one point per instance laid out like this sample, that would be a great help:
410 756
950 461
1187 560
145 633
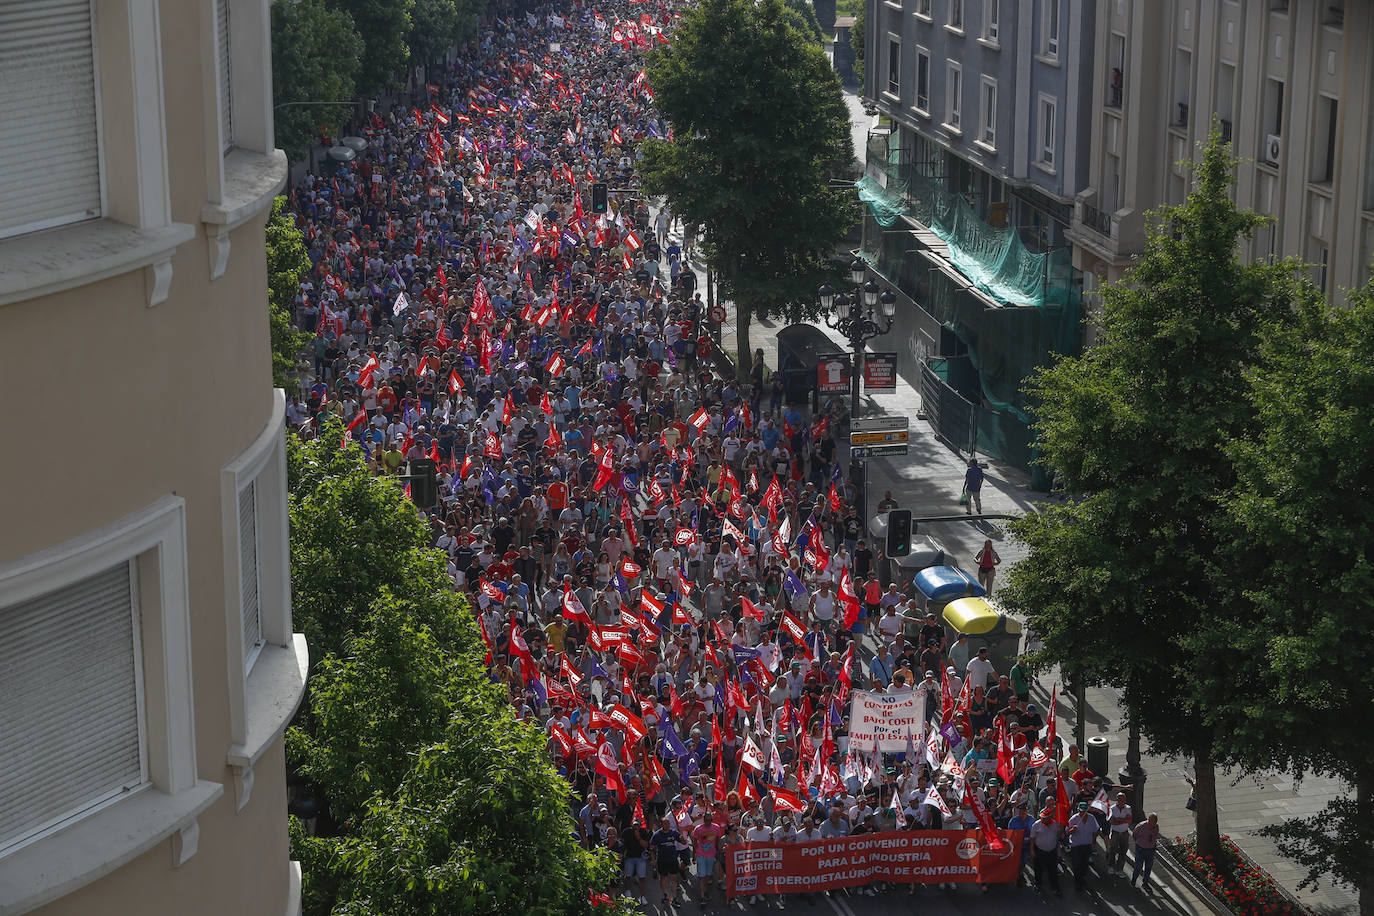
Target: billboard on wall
880 371
833 373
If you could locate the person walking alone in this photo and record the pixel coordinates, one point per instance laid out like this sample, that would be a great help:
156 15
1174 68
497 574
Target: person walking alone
988 560
1146 835
973 486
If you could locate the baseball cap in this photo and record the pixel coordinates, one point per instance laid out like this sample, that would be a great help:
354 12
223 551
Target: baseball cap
1082 806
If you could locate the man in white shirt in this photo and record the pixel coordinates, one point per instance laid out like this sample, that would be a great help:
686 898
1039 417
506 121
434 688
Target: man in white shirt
980 669
1120 816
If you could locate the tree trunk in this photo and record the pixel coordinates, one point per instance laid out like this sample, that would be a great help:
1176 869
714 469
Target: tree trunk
744 354
1205 790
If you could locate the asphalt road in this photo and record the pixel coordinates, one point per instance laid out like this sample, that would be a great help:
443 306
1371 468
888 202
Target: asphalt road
1104 896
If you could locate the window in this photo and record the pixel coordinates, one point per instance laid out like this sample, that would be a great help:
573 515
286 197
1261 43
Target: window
1050 39
923 8
52 172
98 764
894 67
988 130
226 85
266 660
1324 141
1335 14
954 95
1047 131
1273 107
992 15
956 15
71 702
248 573
923 80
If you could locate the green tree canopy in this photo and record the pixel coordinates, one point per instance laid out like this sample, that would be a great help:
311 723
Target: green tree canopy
384 26
1125 583
760 127
316 57
287 262
444 801
437 25
1303 508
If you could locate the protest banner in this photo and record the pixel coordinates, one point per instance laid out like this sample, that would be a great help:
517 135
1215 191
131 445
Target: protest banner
888 717
902 856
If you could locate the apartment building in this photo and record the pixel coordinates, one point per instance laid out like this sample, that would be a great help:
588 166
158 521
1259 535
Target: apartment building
1292 84
971 191
148 665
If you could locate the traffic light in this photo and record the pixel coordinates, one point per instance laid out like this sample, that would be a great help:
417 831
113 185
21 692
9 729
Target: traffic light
424 483
898 532
599 197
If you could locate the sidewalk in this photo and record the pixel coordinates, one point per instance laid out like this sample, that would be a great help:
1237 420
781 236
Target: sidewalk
928 481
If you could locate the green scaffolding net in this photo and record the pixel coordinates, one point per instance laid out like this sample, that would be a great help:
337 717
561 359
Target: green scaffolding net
1028 314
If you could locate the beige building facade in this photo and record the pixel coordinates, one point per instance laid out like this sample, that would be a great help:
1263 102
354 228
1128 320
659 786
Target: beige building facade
1293 84
148 665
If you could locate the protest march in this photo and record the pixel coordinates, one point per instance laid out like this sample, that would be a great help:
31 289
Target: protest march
667 564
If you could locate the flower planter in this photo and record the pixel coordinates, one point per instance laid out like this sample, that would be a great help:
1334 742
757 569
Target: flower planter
1250 891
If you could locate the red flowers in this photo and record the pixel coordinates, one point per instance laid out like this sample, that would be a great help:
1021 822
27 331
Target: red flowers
1245 889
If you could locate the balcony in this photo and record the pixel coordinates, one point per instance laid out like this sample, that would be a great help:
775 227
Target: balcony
1225 131
1181 119
1114 90
1099 221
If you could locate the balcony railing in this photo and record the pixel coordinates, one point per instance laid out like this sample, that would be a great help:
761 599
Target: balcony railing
1099 221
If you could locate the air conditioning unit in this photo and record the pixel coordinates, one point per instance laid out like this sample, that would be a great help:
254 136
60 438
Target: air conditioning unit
1273 147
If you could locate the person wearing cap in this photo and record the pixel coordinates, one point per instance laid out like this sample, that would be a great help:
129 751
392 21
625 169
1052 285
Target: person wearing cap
1021 822
1082 832
1045 834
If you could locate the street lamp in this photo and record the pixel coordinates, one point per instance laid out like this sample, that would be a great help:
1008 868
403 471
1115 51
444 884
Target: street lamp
854 317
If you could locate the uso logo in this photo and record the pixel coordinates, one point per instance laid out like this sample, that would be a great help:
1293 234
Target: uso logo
747 883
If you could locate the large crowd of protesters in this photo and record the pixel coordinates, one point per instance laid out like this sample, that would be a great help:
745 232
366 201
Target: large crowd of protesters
667 565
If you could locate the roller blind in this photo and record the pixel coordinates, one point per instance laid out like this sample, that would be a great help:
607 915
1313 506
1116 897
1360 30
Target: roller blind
226 94
248 572
70 733
49 147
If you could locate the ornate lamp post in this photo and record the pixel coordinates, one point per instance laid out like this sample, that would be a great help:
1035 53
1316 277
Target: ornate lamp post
854 317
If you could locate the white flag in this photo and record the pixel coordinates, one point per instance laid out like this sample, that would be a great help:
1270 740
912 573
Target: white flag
935 800
752 757
401 304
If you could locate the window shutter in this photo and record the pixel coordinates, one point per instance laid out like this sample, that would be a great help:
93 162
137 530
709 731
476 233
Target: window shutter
70 734
49 147
226 94
248 572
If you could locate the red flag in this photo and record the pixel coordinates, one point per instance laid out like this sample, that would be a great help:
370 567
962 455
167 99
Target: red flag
629 568
749 609
849 598
455 384
746 788
544 406
1061 807
605 470
609 769
785 800
792 626
357 421
1049 720
834 499
984 818
650 605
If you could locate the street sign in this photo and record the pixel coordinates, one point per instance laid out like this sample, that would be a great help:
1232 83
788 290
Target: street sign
880 371
878 424
833 373
718 313
872 437
861 452
882 437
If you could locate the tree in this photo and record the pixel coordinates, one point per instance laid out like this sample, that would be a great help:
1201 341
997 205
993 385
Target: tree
287 262
804 20
1125 583
856 39
1303 507
316 57
437 25
384 26
444 801
760 127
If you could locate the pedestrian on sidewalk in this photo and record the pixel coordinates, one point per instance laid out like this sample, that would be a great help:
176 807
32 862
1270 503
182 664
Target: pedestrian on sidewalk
1146 835
1045 835
988 560
1120 836
973 486
1082 834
